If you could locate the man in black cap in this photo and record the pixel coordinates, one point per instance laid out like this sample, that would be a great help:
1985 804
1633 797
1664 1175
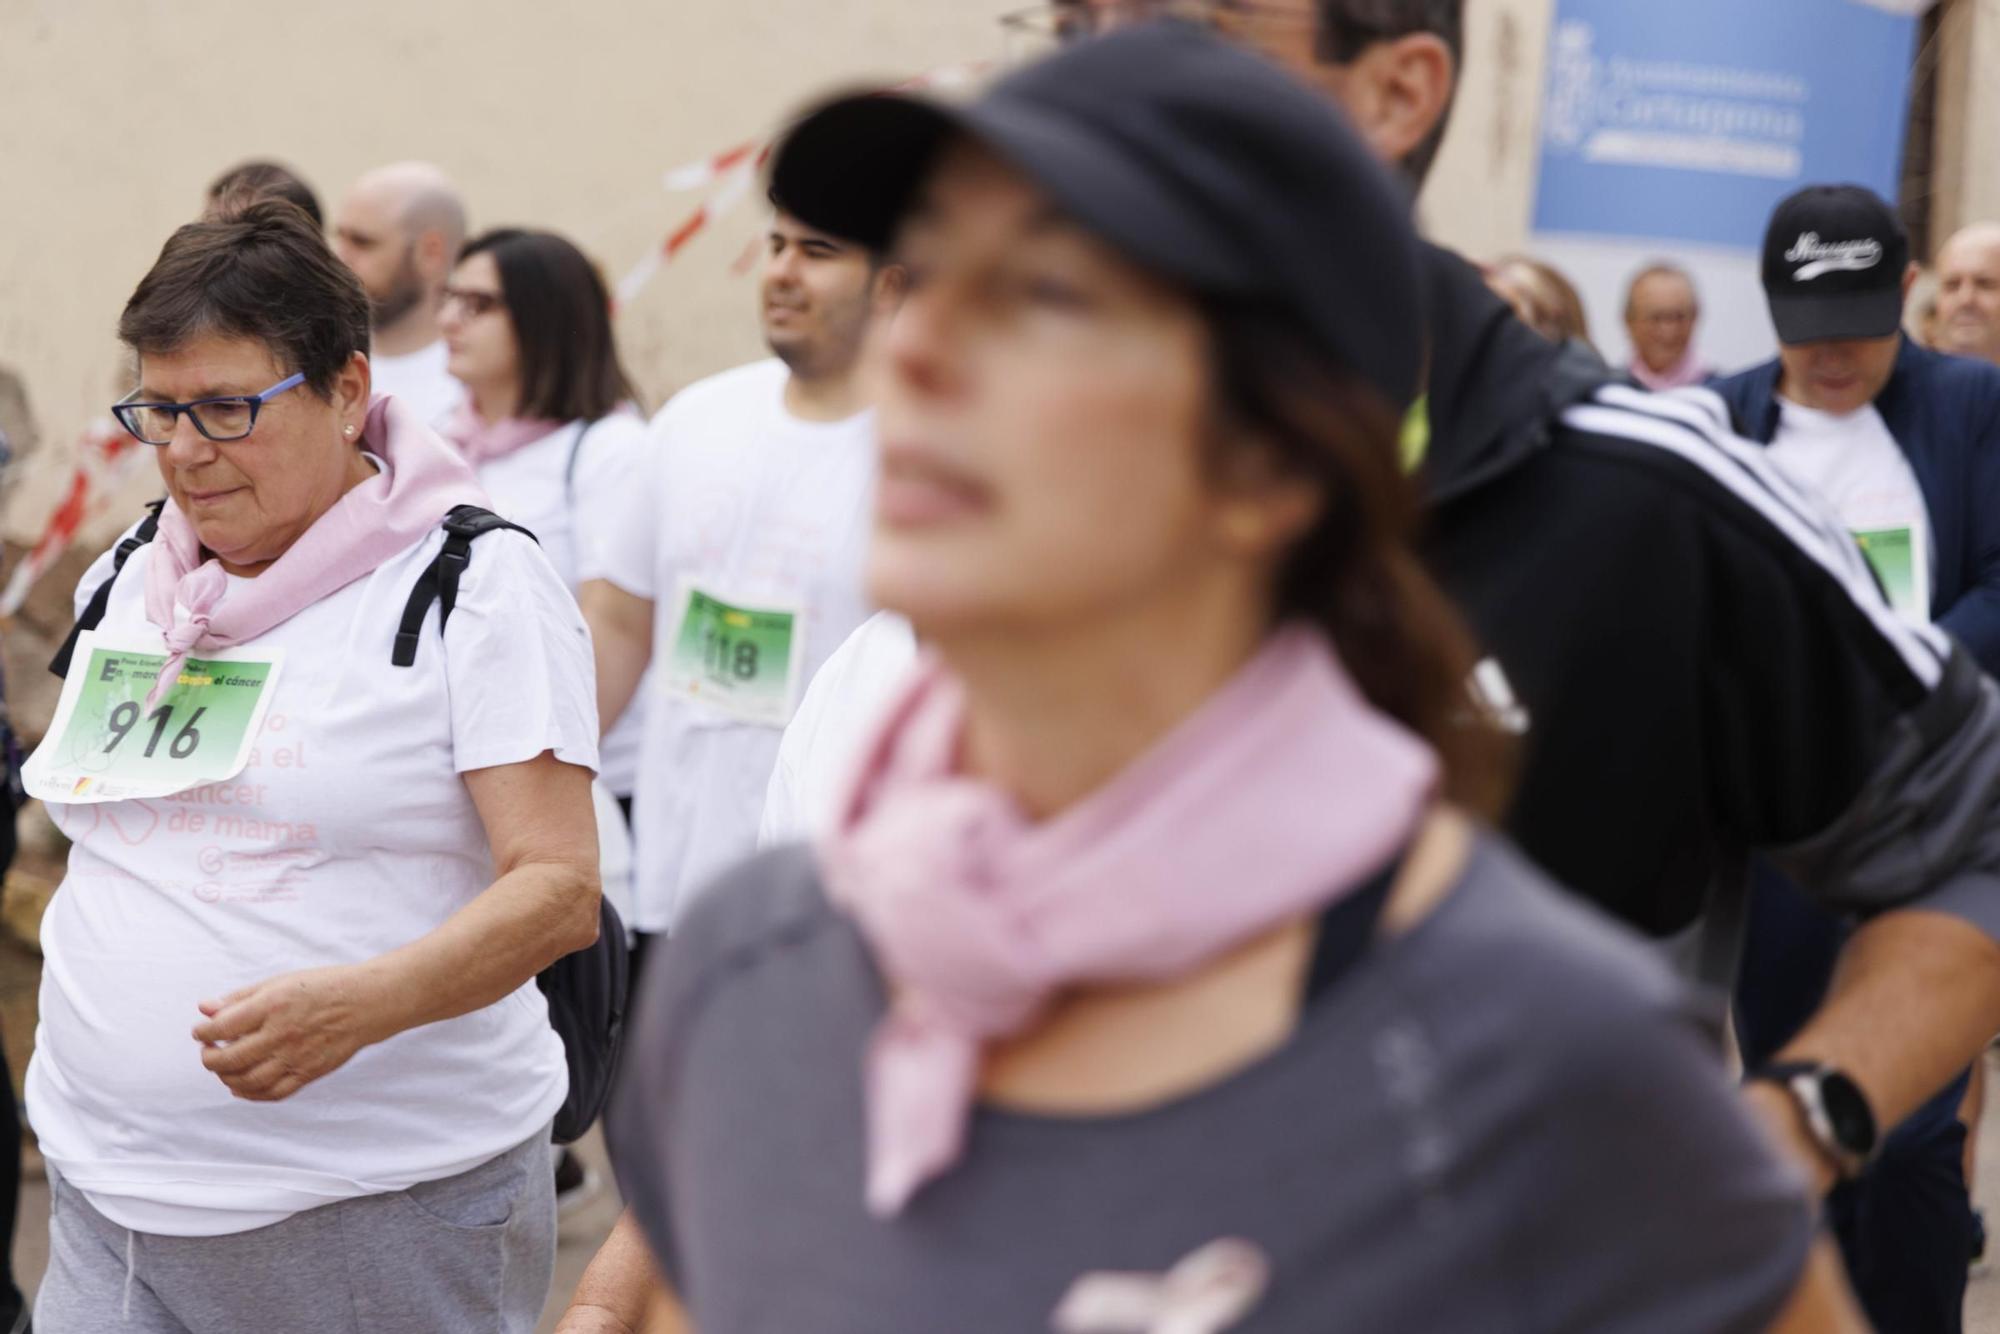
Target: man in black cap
1903 445
1698 658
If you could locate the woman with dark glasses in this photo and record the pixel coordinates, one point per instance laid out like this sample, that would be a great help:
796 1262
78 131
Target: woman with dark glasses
549 422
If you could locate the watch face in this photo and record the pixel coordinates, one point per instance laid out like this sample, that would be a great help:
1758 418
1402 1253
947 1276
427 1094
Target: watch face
1847 1109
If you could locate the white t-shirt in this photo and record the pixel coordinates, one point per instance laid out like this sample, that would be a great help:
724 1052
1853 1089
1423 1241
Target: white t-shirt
763 510
1856 467
567 509
420 379
823 743
350 833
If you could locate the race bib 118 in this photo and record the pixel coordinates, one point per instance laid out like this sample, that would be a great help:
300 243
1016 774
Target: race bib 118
104 744
738 659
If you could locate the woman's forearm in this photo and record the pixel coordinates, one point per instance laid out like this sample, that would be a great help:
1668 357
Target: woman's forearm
621 1278
527 919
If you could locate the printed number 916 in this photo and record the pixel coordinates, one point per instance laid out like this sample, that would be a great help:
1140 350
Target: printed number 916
184 744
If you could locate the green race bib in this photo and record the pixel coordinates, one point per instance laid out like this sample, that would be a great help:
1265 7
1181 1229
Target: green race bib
105 745
1897 561
738 659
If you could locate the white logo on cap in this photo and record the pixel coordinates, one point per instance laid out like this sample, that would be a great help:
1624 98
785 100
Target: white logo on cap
1815 256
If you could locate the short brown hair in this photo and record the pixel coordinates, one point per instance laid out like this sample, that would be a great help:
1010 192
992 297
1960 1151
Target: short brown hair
261 272
256 179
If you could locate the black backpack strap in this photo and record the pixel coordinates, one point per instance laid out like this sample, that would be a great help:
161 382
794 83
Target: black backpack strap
93 614
439 581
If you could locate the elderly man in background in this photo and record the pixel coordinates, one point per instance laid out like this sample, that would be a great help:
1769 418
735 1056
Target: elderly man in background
1968 300
400 228
1661 310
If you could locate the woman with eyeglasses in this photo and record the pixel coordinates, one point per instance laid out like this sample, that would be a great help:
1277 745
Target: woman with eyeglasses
325 763
1157 972
549 425
549 422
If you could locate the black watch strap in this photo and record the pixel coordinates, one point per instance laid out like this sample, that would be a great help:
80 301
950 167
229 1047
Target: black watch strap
1835 1109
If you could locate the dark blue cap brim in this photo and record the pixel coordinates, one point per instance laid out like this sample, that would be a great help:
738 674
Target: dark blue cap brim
854 167
1825 319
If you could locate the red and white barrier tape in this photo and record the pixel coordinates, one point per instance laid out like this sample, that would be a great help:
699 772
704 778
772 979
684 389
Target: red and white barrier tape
729 175
105 456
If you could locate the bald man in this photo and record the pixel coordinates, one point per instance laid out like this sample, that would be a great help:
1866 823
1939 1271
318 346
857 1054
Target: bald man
1968 302
399 228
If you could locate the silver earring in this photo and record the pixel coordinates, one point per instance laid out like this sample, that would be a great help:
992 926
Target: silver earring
350 430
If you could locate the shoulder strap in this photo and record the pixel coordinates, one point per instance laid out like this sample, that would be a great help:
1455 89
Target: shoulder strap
569 468
439 581
1347 931
93 614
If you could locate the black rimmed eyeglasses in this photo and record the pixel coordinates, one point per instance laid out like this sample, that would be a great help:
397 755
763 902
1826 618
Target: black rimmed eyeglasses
230 417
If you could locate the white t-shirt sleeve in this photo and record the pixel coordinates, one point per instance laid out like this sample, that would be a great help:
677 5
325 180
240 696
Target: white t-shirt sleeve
785 819
610 469
823 742
518 661
628 553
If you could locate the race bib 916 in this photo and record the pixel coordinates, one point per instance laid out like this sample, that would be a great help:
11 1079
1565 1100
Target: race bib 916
104 744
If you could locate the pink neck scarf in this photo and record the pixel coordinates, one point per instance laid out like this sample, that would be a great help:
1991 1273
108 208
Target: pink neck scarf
1281 794
192 601
1689 370
482 441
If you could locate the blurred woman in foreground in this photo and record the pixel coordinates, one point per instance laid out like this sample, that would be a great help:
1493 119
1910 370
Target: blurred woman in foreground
1157 973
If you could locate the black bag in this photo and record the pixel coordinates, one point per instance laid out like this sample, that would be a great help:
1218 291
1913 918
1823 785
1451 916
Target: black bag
586 990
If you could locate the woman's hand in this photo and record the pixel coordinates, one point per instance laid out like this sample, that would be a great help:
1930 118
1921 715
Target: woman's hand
272 1038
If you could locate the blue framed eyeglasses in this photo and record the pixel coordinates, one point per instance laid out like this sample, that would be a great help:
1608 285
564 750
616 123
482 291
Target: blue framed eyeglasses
220 419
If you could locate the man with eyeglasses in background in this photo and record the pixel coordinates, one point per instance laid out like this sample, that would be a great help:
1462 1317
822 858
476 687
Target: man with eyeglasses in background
399 228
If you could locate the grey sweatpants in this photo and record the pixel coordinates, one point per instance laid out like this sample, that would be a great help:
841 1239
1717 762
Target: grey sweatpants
471 1253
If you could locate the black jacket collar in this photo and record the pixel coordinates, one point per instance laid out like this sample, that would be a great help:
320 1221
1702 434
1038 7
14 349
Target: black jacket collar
1496 386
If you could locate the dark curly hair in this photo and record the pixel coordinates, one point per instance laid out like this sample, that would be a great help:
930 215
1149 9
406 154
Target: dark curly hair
260 271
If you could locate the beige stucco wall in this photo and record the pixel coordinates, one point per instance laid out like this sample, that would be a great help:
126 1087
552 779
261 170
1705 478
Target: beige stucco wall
114 114
1482 189
1965 179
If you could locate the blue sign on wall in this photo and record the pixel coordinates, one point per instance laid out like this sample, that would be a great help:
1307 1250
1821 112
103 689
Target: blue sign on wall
1690 121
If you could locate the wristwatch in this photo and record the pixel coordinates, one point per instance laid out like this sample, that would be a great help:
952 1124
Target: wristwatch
1836 1111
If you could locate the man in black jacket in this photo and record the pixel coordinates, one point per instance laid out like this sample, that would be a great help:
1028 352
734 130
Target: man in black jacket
1903 446
1697 657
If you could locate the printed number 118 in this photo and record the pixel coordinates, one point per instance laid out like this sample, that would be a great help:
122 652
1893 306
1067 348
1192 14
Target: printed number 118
184 743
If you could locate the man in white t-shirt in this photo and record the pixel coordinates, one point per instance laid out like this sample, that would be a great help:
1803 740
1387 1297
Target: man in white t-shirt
1903 444
399 228
735 566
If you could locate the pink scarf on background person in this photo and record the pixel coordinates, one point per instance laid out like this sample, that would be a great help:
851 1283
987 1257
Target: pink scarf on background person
1689 370
1282 793
482 441
191 598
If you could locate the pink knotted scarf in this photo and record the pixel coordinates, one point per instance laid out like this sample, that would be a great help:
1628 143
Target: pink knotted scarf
1689 370
192 600
1281 794
482 441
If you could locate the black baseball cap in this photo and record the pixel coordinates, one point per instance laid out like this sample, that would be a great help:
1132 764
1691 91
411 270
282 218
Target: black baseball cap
1834 257
1197 161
